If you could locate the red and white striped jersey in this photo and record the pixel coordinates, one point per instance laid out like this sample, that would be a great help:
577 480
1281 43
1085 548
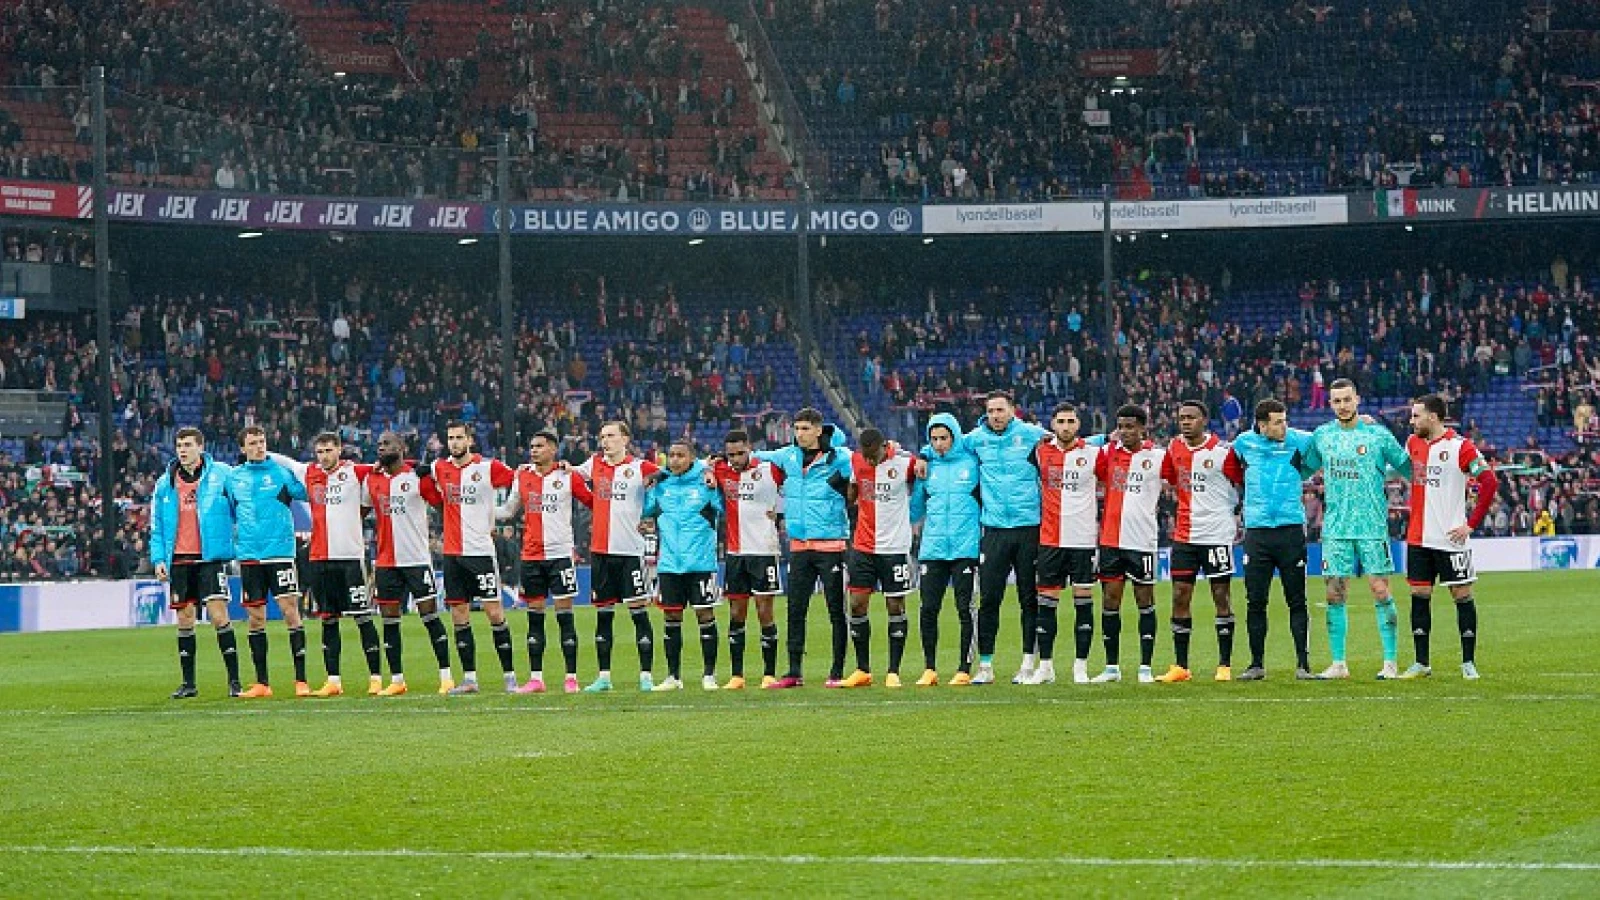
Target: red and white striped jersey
883 501
1067 492
618 503
1440 471
545 501
399 505
1133 491
335 499
748 497
1207 480
468 492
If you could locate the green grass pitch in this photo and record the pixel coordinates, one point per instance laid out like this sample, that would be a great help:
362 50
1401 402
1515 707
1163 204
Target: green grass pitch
1426 789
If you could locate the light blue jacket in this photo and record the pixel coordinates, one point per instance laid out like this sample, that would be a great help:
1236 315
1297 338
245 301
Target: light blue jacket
948 498
814 496
262 495
686 511
215 508
1007 473
1273 471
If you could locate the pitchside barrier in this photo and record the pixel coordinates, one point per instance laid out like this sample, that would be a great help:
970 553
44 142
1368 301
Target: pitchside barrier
79 605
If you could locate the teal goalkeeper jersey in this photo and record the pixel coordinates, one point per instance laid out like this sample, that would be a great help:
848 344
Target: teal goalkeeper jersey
1354 463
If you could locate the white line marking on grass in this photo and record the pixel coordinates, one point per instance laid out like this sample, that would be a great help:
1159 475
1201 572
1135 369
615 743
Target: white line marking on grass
802 859
471 708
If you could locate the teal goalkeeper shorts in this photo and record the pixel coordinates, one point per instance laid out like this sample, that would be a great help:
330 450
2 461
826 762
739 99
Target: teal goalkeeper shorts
1344 558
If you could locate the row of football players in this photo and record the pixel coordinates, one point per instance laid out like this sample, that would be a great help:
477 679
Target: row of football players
850 518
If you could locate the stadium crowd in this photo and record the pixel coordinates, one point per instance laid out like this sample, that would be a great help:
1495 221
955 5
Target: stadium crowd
1396 337
989 101
228 94
294 367
986 102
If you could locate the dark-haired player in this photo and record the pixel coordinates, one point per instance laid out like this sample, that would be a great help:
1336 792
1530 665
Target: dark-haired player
1130 469
751 493
262 492
881 481
1206 475
467 483
191 544
399 498
1443 463
544 493
336 575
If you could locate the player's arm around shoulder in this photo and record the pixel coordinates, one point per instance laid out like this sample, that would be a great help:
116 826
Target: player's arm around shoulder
295 486
294 466
1395 454
513 504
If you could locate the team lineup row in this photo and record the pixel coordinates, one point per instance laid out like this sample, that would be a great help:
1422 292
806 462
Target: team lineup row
1053 510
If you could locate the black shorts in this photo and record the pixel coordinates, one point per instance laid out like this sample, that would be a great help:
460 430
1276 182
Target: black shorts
197 582
1137 566
268 578
1190 560
1425 565
617 579
556 579
1061 567
393 584
471 579
748 575
890 572
696 589
339 587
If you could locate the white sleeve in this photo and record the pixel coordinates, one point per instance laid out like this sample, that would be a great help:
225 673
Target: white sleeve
295 466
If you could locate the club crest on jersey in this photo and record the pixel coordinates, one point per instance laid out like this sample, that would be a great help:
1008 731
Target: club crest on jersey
556 484
1145 465
1081 461
756 475
1207 464
1361 449
477 476
405 486
1444 455
628 472
341 476
893 474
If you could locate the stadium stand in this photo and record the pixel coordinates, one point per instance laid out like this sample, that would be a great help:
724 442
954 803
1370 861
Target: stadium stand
639 101
925 100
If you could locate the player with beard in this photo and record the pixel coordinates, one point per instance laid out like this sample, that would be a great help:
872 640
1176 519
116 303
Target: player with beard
399 498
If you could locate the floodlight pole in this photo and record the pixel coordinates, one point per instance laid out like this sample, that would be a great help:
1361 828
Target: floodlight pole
508 337
802 297
1108 295
102 297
